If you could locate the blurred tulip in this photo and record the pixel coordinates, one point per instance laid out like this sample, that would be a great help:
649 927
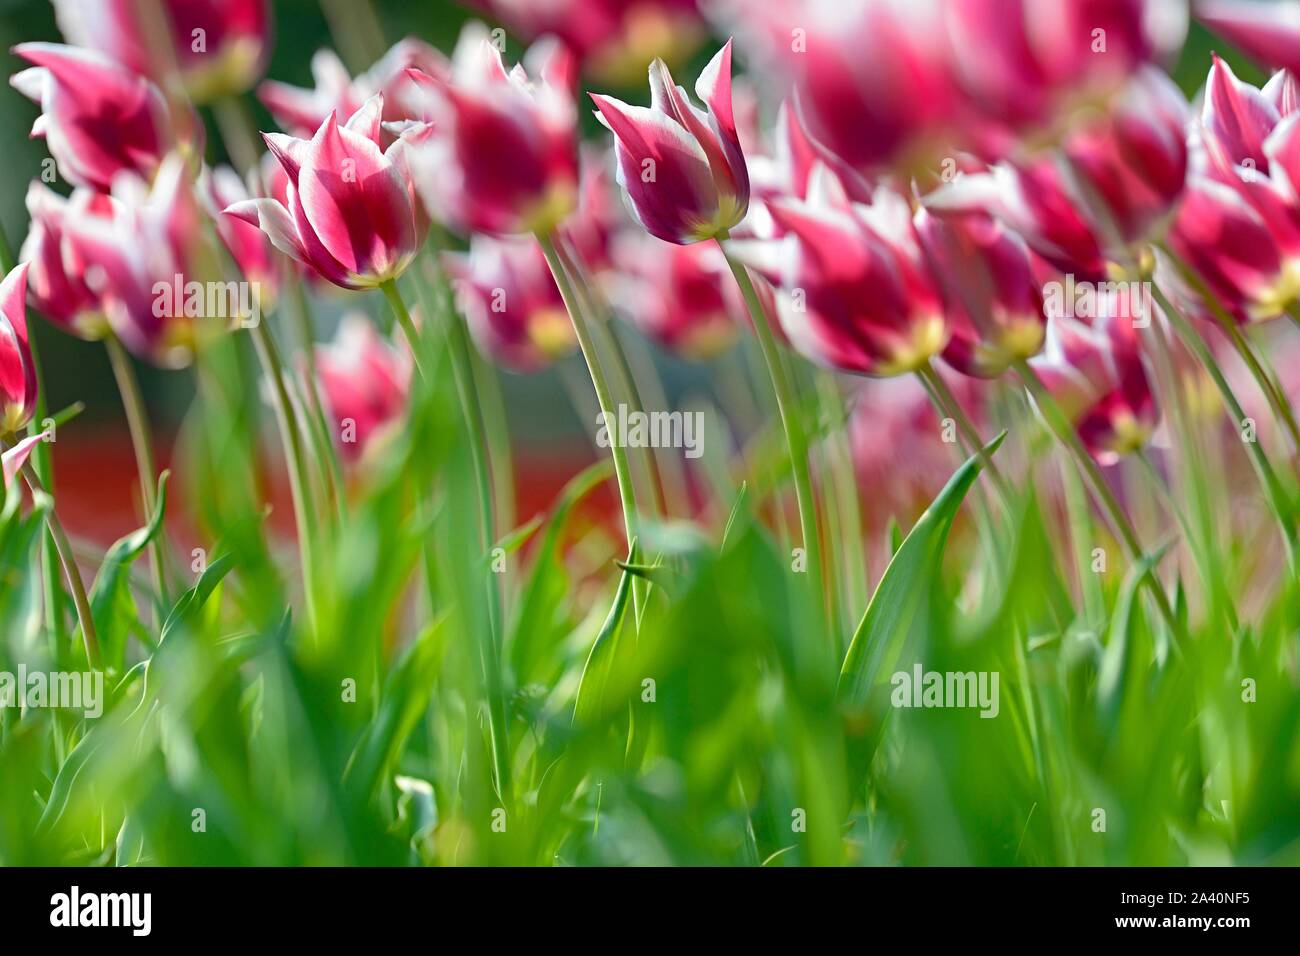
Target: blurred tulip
591 229
683 297
1095 374
511 303
1224 239
1268 30
895 85
352 214
365 383
683 170
612 38
97 117
1113 187
57 292
503 155
854 291
220 47
17 372
300 111
136 259
252 251
993 302
1247 144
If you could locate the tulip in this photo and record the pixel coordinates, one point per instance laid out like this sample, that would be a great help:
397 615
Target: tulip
140 261
365 382
59 293
1096 377
352 214
220 47
683 171
612 38
1268 31
993 301
503 155
1229 244
17 372
510 300
222 188
97 117
855 292
683 297
301 111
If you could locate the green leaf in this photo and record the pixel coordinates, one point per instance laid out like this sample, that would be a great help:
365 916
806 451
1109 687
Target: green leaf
591 684
111 605
900 606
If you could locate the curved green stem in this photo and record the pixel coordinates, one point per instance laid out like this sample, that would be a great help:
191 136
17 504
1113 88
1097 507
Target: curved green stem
950 406
291 439
137 421
795 437
586 342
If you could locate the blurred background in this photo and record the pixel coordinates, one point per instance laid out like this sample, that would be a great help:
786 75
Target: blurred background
93 460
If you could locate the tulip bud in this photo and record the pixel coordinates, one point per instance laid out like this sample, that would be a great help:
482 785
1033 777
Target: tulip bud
503 154
365 383
17 372
352 213
97 117
511 302
683 170
992 300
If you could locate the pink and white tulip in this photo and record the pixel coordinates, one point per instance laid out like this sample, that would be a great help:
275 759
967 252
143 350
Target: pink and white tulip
993 301
682 168
219 47
1268 30
352 214
365 383
511 303
58 292
98 118
503 154
682 297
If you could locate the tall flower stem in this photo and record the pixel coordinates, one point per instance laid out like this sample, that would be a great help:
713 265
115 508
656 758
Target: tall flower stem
137 422
1066 435
490 649
75 584
291 439
795 436
594 305
1276 494
587 343
317 426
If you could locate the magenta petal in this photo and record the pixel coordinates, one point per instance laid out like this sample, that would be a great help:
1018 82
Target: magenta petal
1268 31
16 457
1238 115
